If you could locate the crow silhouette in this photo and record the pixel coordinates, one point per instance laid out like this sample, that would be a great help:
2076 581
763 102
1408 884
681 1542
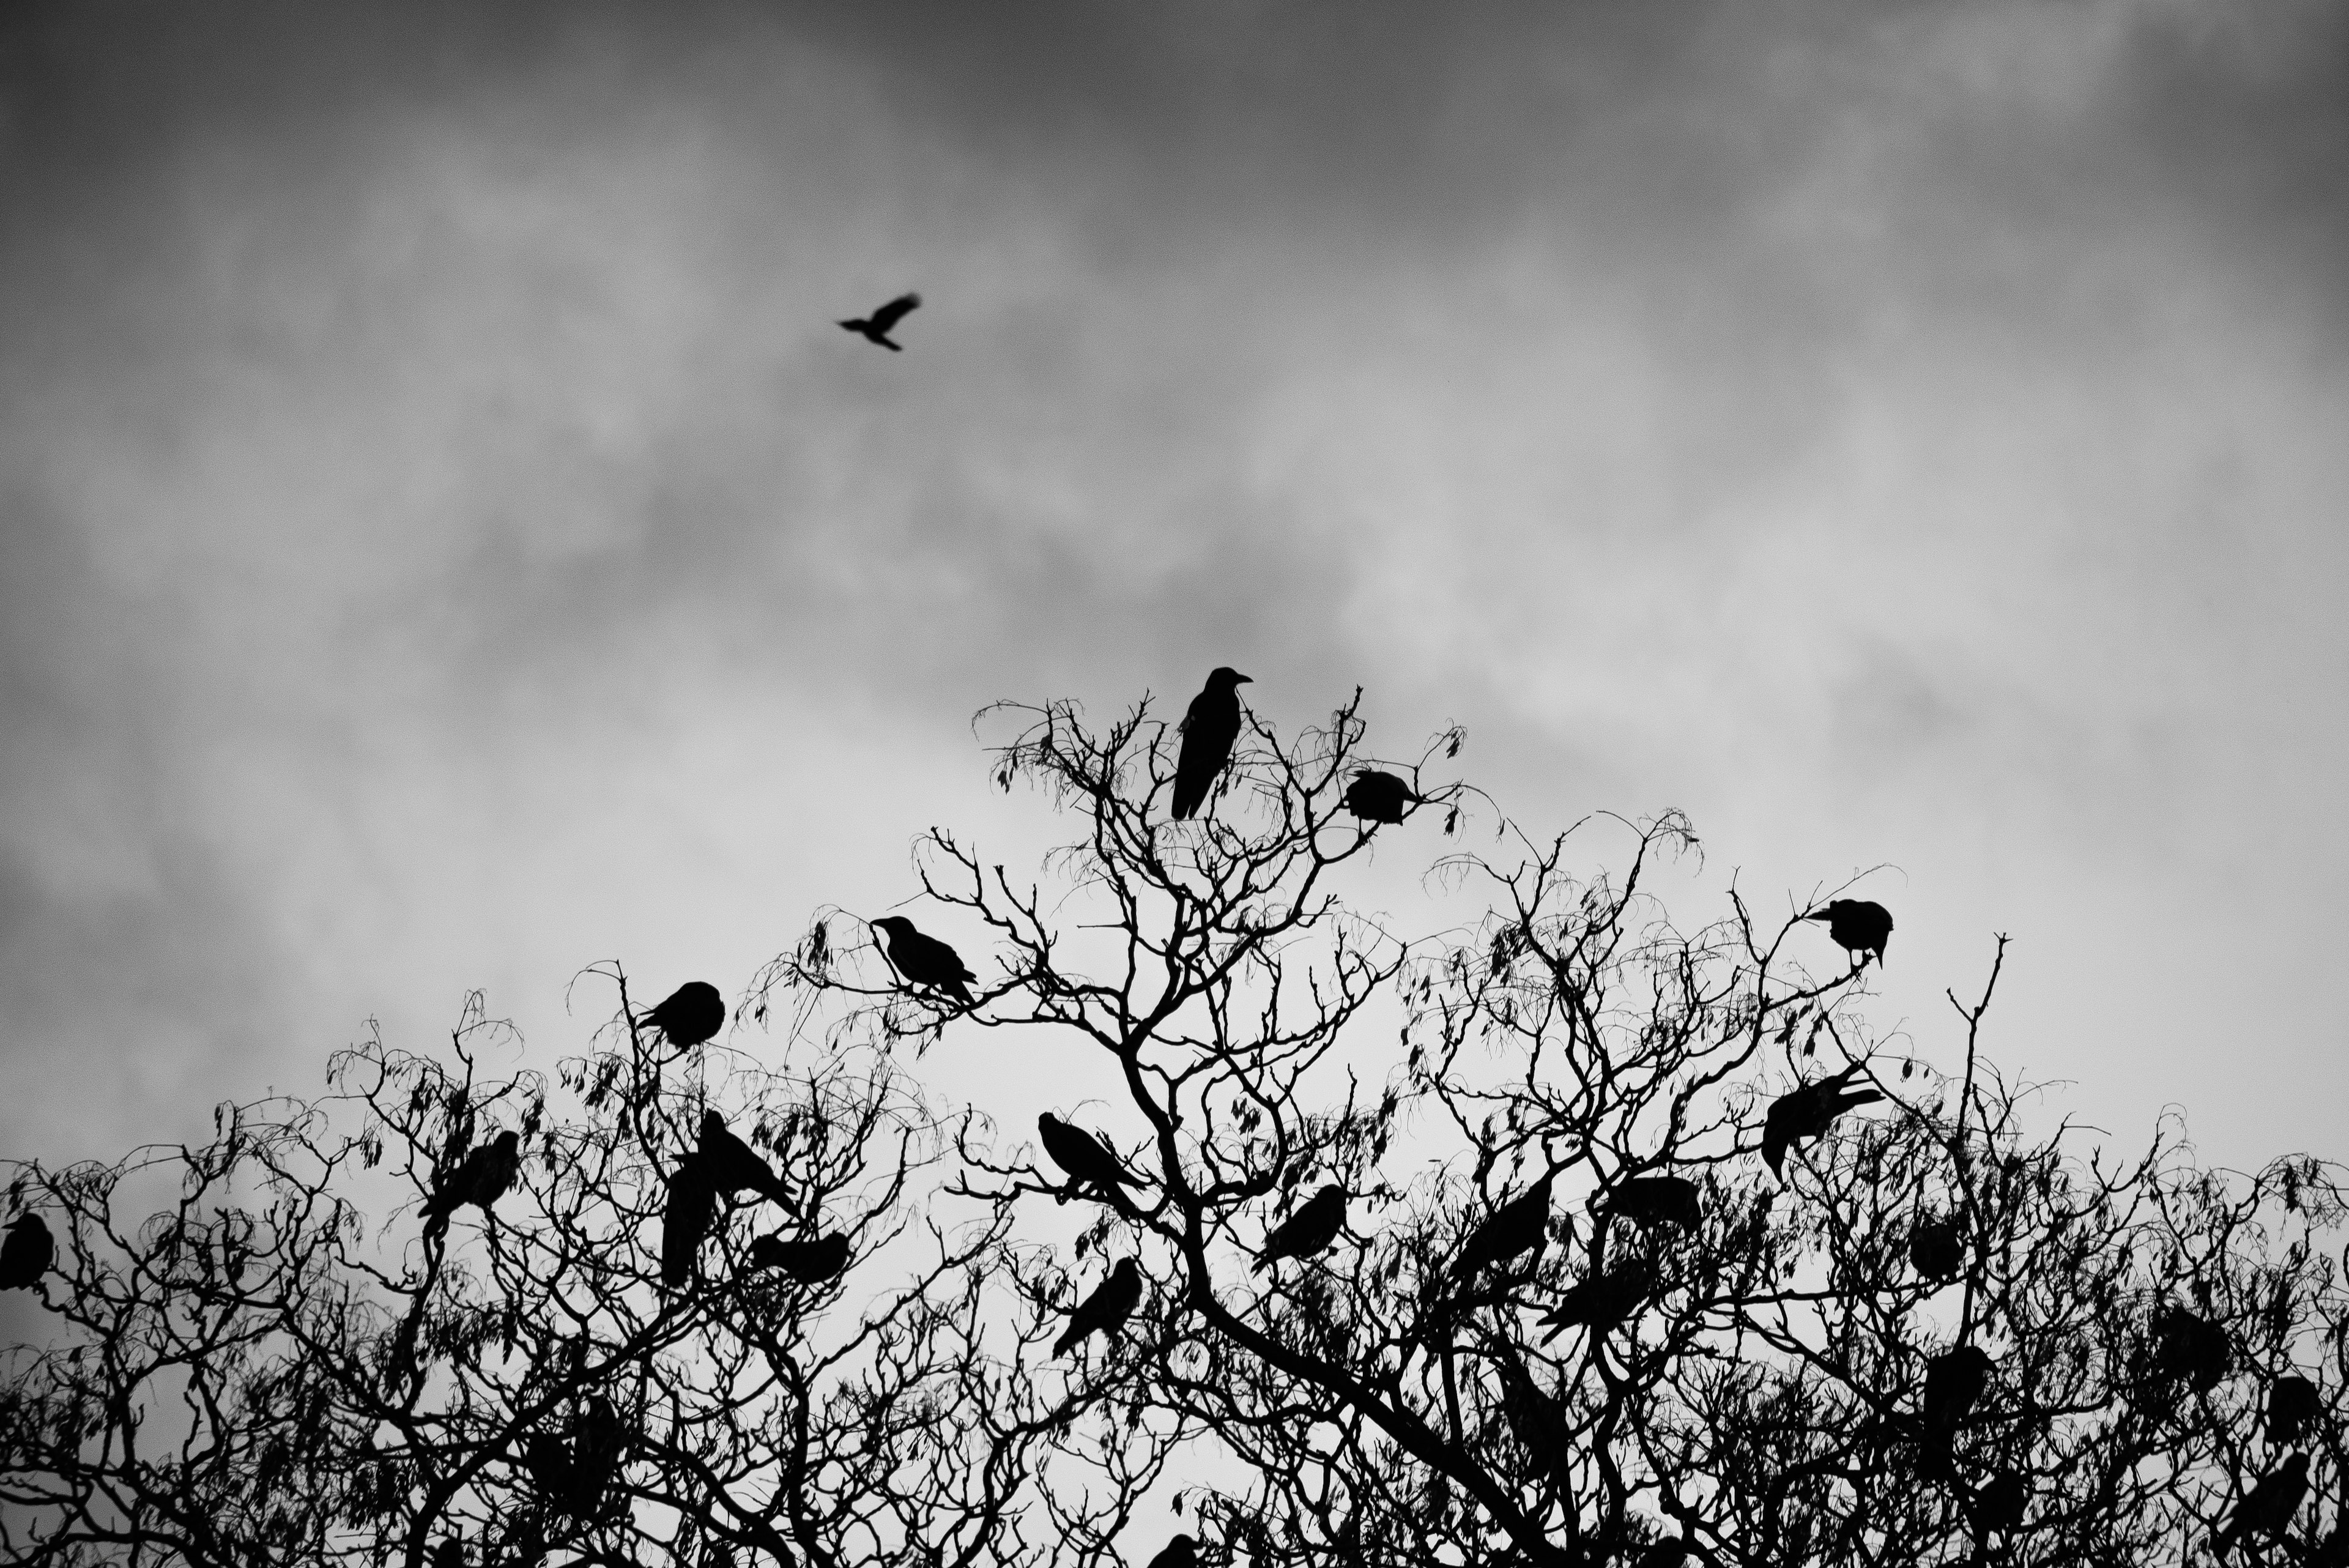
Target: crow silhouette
1106 1310
1651 1201
690 1014
809 1262
487 1175
2269 1506
1999 1502
1801 1114
1209 729
598 1443
874 329
1599 1301
686 1218
1376 797
1314 1225
1085 1159
733 1165
1857 926
2293 1404
2189 1348
1535 1419
27 1252
1517 1227
450 1553
1937 1247
1954 1381
926 960
1182 1551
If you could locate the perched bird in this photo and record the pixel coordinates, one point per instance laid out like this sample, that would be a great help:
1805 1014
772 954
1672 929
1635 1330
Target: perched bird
874 329
1651 1201
690 1014
809 1262
598 1442
1801 1114
1599 1301
487 1175
2267 1507
1182 1551
1535 1419
1314 1225
548 1460
1376 797
450 1553
1112 1302
1998 1503
925 961
1209 729
1084 1158
1517 1227
733 1165
2189 1348
685 1219
2293 1404
1937 1247
27 1252
1857 926
1954 1381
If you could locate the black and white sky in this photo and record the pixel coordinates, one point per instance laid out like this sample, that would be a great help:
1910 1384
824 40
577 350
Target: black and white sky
444 540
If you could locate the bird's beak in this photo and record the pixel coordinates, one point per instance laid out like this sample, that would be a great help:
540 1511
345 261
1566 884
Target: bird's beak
1245 681
1818 915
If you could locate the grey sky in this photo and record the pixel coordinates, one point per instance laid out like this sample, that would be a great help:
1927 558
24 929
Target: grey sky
447 542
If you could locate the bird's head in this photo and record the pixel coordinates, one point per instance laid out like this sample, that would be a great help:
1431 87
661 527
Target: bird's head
1827 911
1224 678
895 925
712 1123
1048 1123
1127 1273
509 1143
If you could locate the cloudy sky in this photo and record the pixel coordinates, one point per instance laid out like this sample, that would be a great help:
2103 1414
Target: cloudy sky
445 541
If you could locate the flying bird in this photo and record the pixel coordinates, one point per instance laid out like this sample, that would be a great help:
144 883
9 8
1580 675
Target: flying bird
692 1014
1801 1114
685 1216
1087 1160
2269 1506
27 1252
1653 1200
2293 1404
1376 797
1937 1247
733 1165
1858 926
874 329
1514 1227
926 960
1599 1301
1209 729
809 1262
1106 1310
487 1175
1182 1551
1314 1225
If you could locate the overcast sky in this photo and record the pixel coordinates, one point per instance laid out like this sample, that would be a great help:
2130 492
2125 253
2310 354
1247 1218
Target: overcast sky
445 541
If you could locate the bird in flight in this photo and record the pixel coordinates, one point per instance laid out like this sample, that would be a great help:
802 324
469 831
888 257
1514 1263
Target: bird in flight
1112 1302
1085 1159
1858 926
809 1262
692 1014
1312 1228
926 960
27 1252
874 329
1514 1227
487 1174
1376 797
1209 728
1801 1114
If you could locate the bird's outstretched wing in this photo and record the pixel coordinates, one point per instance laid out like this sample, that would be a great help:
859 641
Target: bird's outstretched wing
894 312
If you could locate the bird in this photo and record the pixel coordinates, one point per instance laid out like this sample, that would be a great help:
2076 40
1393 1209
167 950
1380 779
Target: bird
1209 728
732 1165
1599 1301
690 1014
2293 1404
1113 1301
1954 1381
1858 926
1376 797
1515 1226
27 1252
1651 1201
487 1175
926 960
1937 1247
1801 1114
874 329
1314 1225
598 1443
1535 1419
809 1262
2267 1507
450 1553
2187 1347
1182 1551
1999 1502
1086 1159
691 1205
548 1460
